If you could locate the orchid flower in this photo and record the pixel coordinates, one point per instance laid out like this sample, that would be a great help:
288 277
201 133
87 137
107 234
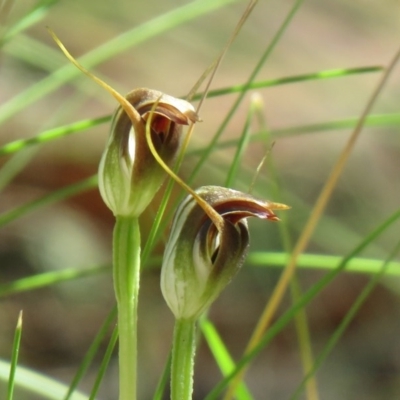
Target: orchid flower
129 175
200 258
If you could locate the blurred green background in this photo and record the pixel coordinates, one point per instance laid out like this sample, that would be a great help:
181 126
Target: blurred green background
61 321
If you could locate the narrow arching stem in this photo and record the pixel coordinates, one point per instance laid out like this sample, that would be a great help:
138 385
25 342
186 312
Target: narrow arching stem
126 273
183 351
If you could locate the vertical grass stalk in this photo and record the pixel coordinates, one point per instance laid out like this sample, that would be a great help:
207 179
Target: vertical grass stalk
14 358
126 272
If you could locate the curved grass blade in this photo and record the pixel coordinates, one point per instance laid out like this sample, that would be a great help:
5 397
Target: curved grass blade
14 357
14 166
104 364
371 121
377 120
327 74
47 388
308 296
50 278
323 262
221 355
38 12
61 194
52 134
164 379
90 354
25 49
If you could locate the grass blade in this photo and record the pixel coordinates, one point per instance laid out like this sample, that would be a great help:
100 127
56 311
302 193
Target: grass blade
61 194
47 388
164 379
52 134
93 349
328 74
241 147
104 364
14 166
322 262
221 355
14 357
32 17
50 278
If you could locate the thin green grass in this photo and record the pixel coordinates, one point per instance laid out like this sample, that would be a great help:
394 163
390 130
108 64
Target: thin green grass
164 379
51 198
36 14
38 384
104 364
14 357
323 262
221 354
50 279
91 353
243 141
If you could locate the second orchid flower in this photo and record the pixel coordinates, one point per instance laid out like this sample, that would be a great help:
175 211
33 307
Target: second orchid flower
201 259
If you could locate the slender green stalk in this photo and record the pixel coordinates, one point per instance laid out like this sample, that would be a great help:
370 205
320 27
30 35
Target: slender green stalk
104 364
163 381
14 359
52 197
50 278
327 74
52 134
221 355
183 359
126 269
91 353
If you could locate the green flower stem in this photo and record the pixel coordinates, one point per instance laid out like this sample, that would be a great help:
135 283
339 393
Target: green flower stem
183 350
126 270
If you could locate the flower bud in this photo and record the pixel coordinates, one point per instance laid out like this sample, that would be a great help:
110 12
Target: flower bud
129 175
201 259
